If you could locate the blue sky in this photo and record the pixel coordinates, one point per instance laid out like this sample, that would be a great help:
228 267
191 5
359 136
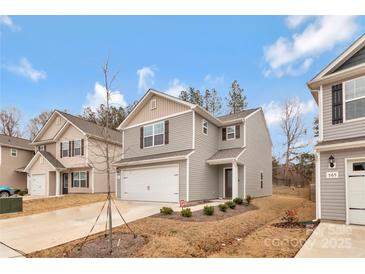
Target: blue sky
50 62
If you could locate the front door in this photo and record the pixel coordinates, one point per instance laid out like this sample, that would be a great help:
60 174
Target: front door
356 192
228 182
65 183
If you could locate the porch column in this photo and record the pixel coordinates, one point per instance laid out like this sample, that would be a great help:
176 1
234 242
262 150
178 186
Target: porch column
58 180
234 180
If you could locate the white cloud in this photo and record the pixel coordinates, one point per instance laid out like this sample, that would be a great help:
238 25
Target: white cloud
146 77
8 22
213 81
294 21
94 100
25 69
274 111
175 86
294 55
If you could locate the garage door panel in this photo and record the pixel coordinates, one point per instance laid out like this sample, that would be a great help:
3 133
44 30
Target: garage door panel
151 184
38 184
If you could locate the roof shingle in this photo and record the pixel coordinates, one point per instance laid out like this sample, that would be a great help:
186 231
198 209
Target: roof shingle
234 116
10 141
226 153
51 159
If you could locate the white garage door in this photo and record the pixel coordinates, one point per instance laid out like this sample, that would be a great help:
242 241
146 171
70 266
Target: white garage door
159 184
38 185
356 193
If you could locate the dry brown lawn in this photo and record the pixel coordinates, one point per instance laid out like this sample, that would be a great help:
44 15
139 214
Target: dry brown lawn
249 234
53 203
303 192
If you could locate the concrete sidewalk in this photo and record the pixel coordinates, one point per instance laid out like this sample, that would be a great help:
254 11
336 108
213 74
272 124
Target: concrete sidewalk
44 230
331 240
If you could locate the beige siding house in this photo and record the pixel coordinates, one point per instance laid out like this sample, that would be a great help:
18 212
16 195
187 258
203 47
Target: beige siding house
70 157
15 154
339 90
174 150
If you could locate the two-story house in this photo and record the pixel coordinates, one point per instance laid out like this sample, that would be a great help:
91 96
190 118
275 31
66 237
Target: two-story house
70 156
174 150
339 90
15 154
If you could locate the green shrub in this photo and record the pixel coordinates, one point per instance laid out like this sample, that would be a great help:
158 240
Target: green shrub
166 210
208 210
186 212
231 204
248 199
223 207
238 201
21 192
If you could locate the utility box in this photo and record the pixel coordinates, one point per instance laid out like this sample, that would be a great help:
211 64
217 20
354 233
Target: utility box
11 204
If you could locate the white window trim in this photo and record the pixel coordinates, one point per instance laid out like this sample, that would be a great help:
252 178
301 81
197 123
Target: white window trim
11 152
79 180
153 134
153 104
344 101
74 151
203 127
67 146
234 133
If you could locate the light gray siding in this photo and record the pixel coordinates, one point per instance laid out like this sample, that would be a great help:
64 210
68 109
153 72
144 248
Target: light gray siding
333 193
180 138
257 157
203 177
182 176
231 143
344 130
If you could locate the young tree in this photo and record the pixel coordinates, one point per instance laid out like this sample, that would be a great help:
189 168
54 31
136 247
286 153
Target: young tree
36 123
9 122
212 102
192 95
293 130
236 100
305 166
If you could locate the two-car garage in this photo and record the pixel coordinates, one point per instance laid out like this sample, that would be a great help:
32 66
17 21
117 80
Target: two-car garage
155 183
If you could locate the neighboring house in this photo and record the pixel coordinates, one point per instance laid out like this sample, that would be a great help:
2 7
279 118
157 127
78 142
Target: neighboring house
70 157
339 90
174 150
15 154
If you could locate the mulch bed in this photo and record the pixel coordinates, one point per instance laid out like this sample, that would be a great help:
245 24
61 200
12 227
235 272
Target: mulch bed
199 216
295 225
124 245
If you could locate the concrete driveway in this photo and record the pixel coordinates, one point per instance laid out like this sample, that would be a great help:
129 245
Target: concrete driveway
44 230
331 240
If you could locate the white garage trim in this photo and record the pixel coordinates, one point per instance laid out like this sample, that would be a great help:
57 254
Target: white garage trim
46 181
346 185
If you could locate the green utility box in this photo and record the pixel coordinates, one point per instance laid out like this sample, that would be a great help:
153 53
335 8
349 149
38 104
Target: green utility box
11 204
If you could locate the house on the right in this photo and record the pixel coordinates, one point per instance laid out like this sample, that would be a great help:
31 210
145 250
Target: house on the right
339 90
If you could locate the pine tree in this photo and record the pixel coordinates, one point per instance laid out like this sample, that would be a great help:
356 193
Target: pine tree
212 102
236 100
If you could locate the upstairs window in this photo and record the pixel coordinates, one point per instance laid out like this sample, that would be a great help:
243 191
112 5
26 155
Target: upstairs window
77 147
153 135
41 148
205 127
13 152
65 149
231 132
355 98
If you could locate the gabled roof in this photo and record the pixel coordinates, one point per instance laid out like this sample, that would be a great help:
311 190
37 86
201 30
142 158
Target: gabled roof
330 69
218 121
86 127
15 142
49 158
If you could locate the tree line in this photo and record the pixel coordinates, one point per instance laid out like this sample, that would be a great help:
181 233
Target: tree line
115 115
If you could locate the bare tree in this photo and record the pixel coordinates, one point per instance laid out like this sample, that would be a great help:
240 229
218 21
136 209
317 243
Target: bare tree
293 130
212 102
37 123
9 122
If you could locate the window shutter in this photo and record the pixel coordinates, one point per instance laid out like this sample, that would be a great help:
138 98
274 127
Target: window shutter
337 104
141 137
224 134
166 132
69 148
87 179
82 147
72 148
238 133
72 179
60 150
45 147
